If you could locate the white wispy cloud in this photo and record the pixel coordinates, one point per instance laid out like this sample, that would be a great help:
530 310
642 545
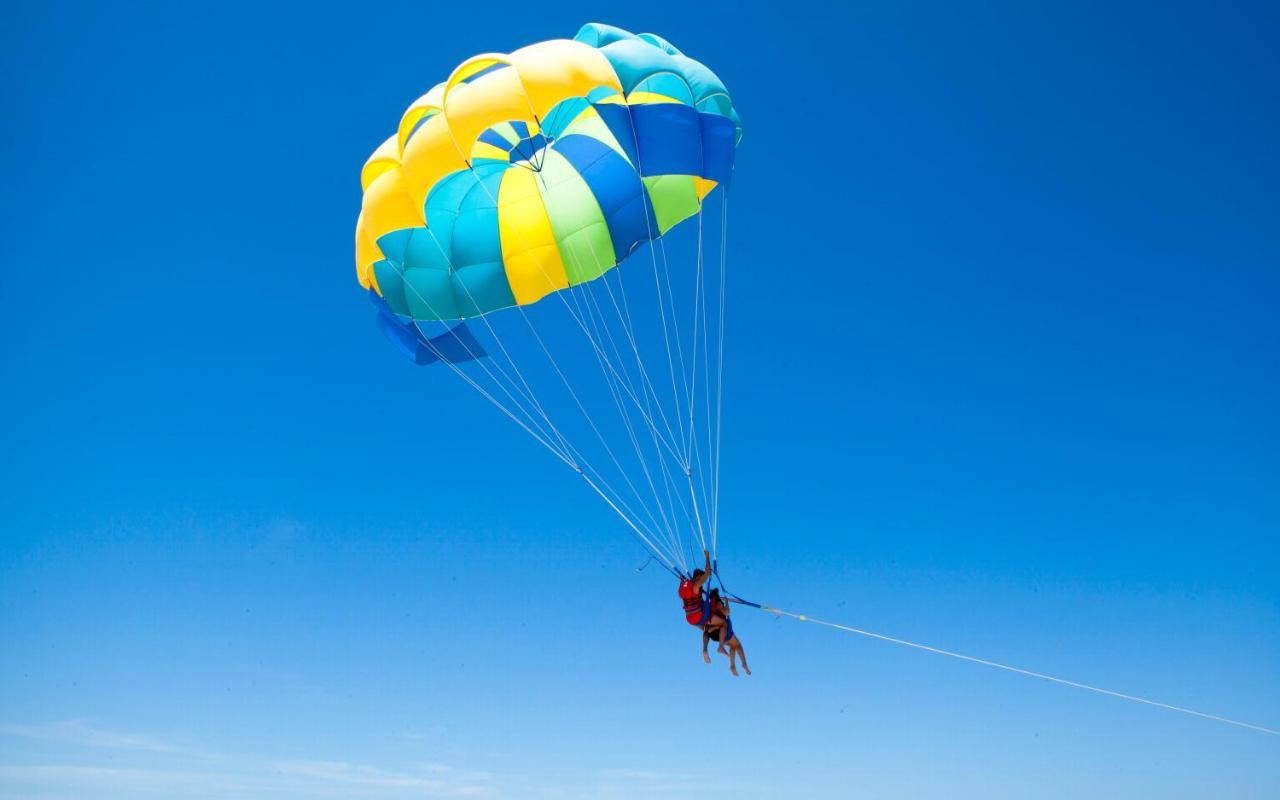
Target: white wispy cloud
168 770
82 734
80 777
363 775
641 775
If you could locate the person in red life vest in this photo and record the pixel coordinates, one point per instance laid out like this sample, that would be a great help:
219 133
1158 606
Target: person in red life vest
725 635
697 610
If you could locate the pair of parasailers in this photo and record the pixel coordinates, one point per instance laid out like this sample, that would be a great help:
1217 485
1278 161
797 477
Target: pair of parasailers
710 612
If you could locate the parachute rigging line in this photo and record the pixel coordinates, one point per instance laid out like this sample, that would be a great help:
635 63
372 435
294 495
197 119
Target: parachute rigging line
596 346
543 176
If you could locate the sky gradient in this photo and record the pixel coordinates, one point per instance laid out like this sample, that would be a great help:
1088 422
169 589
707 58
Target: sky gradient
1001 378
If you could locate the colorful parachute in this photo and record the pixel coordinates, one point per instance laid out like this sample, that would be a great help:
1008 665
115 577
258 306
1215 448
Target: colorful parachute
522 174
536 173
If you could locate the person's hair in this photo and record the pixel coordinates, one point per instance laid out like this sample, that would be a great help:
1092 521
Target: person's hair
697 572
714 593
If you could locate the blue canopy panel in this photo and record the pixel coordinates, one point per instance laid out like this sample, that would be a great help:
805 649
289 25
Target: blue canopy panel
673 139
450 342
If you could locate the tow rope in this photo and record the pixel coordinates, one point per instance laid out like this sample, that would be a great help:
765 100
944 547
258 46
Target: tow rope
1006 667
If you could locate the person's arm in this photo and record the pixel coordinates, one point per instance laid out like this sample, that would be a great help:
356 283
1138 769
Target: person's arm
706 571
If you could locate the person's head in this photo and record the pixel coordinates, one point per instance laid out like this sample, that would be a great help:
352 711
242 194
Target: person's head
697 573
714 594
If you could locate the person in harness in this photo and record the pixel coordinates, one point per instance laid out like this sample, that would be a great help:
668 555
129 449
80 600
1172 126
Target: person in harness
725 635
697 609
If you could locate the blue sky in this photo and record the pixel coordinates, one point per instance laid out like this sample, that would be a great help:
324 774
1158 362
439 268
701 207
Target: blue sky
1001 378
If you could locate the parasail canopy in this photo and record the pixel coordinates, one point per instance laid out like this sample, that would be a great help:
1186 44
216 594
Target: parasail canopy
527 173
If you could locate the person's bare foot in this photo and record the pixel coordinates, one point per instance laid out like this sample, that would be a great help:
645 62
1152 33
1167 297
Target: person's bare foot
706 657
746 669
734 669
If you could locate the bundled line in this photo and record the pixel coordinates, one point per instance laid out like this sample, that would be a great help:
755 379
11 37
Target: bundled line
1029 673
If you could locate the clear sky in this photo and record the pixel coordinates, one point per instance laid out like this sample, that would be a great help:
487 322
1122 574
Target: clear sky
1002 378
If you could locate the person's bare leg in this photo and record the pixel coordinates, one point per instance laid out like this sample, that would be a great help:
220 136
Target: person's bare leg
742 654
733 651
718 623
705 638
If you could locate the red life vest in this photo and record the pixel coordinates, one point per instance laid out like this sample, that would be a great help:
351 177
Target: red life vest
693 603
